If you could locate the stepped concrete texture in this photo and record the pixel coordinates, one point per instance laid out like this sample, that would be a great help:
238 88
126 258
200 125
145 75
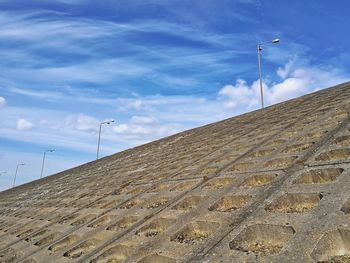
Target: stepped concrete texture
268 186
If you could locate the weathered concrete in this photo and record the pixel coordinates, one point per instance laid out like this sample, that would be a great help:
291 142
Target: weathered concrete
267 186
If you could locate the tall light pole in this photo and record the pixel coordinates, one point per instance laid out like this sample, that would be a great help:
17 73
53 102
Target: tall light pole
259 46
99 136
14 179
42 165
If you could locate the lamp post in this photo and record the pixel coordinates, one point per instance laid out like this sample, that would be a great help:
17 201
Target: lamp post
99 136
259 47
14 179
42 165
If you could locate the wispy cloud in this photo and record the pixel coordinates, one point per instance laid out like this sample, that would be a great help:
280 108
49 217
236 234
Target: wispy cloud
92 42
99 72
44 94
62 93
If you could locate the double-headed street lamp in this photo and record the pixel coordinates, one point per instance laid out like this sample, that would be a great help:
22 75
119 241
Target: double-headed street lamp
259 46
14 179
99 136
42 165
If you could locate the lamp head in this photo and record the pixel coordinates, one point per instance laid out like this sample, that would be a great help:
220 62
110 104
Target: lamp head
108 122
275 41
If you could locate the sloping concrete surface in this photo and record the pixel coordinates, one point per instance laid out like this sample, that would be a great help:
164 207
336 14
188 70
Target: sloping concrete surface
267 186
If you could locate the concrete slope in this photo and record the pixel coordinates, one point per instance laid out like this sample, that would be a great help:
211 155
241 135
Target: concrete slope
267 186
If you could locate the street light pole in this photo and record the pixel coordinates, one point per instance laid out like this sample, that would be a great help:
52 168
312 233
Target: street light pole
14 179
260 76
99 136
42 165
259 47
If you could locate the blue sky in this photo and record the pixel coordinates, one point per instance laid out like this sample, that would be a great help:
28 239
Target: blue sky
156 67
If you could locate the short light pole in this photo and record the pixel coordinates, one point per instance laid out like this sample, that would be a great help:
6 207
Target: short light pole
43 163
259 47
14 179
99 136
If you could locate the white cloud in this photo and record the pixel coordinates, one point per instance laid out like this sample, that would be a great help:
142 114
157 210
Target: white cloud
121 128
289 88
303 80
125 104
2 102
296 81
60 129
24 125
153 103
238 95
143 128
283 72
86 123
146 118
143 120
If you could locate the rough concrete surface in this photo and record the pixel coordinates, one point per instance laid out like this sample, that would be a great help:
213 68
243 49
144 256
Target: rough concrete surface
268 186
